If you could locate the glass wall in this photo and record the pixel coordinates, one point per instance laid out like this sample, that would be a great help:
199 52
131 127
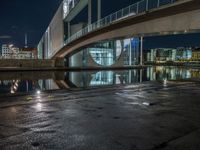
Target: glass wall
105 53
123 52
131 51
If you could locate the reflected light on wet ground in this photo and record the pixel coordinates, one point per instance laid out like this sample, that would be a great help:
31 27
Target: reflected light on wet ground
165 83
38 107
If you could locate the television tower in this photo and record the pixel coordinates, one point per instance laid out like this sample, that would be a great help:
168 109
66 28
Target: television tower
26 40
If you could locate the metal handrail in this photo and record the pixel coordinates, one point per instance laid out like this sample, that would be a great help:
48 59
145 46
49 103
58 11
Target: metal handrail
132 10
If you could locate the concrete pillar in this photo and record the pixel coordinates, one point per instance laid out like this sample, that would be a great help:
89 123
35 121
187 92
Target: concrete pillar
141 50
130 57
98 9
69 28
89 11
59 62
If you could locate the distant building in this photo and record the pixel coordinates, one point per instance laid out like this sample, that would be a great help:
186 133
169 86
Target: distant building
196 55
11 52
32 50
184 53
169 54
161 54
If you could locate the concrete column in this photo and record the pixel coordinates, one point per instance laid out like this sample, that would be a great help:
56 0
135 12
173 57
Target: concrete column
98 9
130 57
89 11
141 50
69 28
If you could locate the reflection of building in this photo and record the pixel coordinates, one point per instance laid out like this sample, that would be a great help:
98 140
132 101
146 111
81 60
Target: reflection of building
103 78
169 73
195 73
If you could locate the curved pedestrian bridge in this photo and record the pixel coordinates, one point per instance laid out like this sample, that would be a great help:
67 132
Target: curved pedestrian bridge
145 18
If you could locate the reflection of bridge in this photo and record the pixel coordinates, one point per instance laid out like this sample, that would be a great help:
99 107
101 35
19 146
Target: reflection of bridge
89 79
109 78
147 17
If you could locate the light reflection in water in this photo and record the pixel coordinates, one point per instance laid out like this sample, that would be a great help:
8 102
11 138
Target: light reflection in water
103 78
63 80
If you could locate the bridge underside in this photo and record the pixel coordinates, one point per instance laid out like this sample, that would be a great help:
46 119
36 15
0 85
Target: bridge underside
177 18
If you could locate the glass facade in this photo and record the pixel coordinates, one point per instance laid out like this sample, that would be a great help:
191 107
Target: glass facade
168 54
122 52
106 53
131 51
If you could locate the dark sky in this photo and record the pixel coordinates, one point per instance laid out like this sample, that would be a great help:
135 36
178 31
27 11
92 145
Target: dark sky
18 17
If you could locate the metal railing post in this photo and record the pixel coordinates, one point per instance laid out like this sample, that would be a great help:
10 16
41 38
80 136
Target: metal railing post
147 5
158 4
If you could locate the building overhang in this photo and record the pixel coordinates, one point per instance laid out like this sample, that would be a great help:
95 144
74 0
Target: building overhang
76 10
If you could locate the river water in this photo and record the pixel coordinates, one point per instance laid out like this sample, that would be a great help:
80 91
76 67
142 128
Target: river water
26 82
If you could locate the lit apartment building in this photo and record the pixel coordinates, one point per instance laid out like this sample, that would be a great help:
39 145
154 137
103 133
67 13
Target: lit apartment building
11 52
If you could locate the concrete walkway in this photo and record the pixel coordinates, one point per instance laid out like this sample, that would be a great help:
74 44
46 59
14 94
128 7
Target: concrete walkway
148 116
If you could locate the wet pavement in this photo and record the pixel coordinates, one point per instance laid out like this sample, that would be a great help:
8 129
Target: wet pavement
147 116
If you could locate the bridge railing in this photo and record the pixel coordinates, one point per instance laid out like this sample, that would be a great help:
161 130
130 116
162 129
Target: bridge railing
132 10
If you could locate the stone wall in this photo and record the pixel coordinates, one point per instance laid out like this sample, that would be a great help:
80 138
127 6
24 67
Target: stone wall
32 75
30 63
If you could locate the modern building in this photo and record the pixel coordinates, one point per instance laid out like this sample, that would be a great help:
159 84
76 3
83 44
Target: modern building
196 55
169 54
123 52
9 51
30 50
73 16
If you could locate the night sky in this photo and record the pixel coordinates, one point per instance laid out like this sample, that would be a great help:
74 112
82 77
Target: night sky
18 17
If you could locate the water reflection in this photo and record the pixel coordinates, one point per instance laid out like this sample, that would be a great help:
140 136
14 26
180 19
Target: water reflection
11 83
169 73
103 78
109 78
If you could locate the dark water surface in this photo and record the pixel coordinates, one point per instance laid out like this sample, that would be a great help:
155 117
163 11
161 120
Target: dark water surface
23 82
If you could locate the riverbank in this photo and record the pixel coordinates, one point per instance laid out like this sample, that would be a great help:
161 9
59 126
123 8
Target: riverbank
9 69
21 69
147 116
